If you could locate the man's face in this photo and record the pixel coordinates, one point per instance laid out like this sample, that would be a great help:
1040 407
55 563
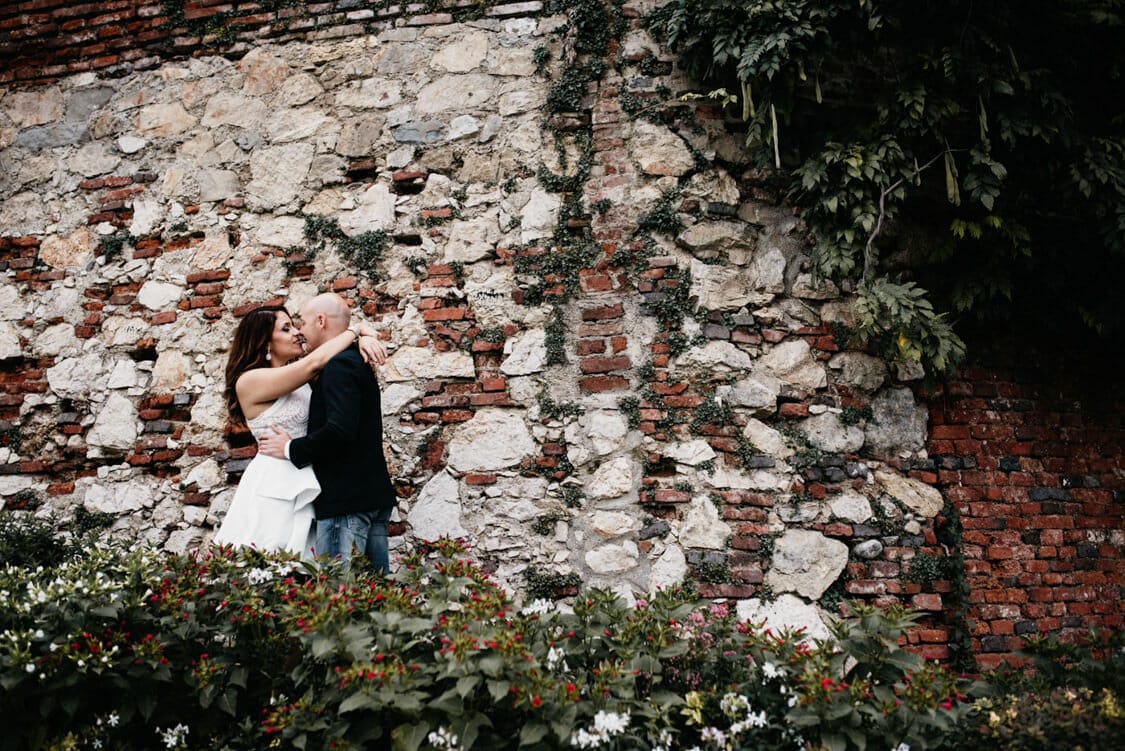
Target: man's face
307 324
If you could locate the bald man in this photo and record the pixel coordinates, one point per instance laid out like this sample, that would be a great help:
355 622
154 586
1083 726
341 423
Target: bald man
344 444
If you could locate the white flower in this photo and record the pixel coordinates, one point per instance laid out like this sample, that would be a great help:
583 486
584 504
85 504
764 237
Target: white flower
901 747
173 737
30 667
555 658
769 670
583 739
442 738
606 724
537 607
734 704
113 719
716 736
258 575
611 723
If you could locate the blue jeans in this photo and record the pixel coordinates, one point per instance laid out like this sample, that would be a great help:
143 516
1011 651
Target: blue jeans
337 536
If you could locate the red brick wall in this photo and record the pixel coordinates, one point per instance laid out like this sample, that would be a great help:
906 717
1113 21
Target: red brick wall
1033 462
44 40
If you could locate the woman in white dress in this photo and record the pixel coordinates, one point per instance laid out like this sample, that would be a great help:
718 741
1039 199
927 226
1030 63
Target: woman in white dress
267 385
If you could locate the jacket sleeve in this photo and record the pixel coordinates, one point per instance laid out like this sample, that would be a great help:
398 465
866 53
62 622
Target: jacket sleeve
343 394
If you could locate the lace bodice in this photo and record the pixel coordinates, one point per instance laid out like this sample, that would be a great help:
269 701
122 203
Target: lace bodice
290 413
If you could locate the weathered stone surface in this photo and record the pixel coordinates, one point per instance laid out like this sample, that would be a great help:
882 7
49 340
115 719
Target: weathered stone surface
792 362
161 120
214 251
613 558
277 173
217 184
701 526
9 341
827 433
613 523
471 241
263 72
294 124
396 396
27 108
525 353
359 135
897 424
170 371
410 363
921 498
93 159
183 541
420 131
851 506
758 391
493 439
370 93
690 452
67 252
716 354
131 144
52 136
116 498
159 295
859 370
868 549
298 89
612 479
659 151
55 340
77 377
116 425
806 562
229 108
206 475
539 215
786 612
437 511
732 242
766 439
147 216
669 570
459 93
463 53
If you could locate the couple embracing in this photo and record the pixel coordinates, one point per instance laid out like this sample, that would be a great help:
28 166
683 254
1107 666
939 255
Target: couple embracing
319 483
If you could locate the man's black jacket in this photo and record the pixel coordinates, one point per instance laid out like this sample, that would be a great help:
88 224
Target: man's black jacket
345 439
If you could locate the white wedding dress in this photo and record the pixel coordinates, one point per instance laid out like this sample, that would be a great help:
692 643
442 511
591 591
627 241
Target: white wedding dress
272 507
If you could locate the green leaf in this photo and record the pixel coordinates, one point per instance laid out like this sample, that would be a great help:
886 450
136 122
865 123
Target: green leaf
467 684
357 701
228 702
409 737
532 733
498 689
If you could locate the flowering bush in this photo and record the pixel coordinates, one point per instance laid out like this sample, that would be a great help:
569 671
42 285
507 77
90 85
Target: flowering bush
239 650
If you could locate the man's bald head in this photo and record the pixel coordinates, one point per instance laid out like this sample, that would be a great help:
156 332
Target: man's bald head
323 317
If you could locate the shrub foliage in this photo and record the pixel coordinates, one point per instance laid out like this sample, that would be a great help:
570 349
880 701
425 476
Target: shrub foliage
130 649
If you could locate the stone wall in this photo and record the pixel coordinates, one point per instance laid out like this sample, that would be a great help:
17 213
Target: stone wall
610 363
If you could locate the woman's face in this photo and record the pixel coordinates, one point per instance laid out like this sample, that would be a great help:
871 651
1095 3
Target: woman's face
285 344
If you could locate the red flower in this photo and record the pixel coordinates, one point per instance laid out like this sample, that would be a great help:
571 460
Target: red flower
536 701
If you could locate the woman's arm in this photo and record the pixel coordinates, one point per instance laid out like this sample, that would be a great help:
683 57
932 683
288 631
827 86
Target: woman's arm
258 388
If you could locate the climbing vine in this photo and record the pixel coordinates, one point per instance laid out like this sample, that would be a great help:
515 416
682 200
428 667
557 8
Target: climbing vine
945 158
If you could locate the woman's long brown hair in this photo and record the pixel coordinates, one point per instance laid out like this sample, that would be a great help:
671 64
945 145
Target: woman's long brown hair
248 351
